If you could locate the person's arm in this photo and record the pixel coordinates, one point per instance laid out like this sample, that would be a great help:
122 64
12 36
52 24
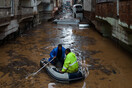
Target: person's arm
52 53
63 52
66 65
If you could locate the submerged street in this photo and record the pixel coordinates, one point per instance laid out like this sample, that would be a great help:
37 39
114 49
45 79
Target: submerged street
94 35
110 65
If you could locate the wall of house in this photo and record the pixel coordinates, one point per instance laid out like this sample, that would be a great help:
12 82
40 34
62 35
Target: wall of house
15 16
114 20
87 5
125 13
25 2
89 9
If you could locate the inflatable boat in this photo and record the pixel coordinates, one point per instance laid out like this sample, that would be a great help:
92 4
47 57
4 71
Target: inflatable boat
61 77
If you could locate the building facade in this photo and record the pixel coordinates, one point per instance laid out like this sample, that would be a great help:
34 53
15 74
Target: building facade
16 16
112 18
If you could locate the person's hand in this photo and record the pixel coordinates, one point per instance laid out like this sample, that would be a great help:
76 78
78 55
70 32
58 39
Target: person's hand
60 71
54 57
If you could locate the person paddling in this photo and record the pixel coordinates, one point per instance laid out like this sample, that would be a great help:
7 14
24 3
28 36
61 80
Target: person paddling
58 54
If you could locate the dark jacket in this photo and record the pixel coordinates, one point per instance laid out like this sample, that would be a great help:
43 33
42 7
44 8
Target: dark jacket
54 52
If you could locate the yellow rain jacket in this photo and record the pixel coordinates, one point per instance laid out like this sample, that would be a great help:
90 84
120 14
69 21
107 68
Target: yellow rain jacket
70 64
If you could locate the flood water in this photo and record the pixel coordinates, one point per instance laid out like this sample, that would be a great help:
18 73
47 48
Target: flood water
110 65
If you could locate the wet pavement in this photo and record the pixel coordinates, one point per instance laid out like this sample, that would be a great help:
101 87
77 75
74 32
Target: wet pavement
110 65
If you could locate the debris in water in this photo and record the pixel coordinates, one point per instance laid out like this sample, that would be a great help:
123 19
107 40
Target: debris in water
84 85
83 26
106 71
51 85
102 78
114 72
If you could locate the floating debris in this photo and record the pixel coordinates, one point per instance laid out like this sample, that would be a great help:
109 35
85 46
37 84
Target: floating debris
51 85
83 26
67 21
84 85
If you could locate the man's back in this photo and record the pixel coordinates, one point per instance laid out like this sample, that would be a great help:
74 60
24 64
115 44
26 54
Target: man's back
70 64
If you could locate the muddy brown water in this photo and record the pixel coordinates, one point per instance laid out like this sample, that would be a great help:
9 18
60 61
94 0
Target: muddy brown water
111 66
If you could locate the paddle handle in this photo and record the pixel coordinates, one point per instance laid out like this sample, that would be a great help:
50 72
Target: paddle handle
43 67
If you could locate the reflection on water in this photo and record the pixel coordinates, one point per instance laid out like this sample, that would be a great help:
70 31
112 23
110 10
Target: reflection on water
67 37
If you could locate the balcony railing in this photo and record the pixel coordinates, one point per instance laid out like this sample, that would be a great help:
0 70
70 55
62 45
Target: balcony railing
5 12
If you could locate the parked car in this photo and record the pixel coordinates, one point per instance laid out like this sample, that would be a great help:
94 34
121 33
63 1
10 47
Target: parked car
78 11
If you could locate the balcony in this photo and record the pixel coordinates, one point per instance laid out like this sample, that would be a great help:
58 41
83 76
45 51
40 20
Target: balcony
25 12
25 9
5 15
5 12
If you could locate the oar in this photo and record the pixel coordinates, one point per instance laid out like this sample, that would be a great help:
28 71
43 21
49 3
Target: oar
33 74
42 67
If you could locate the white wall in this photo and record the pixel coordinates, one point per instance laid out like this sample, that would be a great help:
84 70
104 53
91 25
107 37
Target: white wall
87 5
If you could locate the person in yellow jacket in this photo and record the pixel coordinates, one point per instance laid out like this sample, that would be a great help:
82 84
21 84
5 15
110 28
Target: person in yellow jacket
70 64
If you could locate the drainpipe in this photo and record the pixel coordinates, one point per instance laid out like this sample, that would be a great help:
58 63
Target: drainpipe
12 7
129 14
117 7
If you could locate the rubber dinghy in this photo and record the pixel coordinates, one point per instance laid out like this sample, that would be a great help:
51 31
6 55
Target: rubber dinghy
62 77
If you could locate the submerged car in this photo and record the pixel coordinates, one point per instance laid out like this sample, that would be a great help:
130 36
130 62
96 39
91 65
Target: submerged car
78 11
